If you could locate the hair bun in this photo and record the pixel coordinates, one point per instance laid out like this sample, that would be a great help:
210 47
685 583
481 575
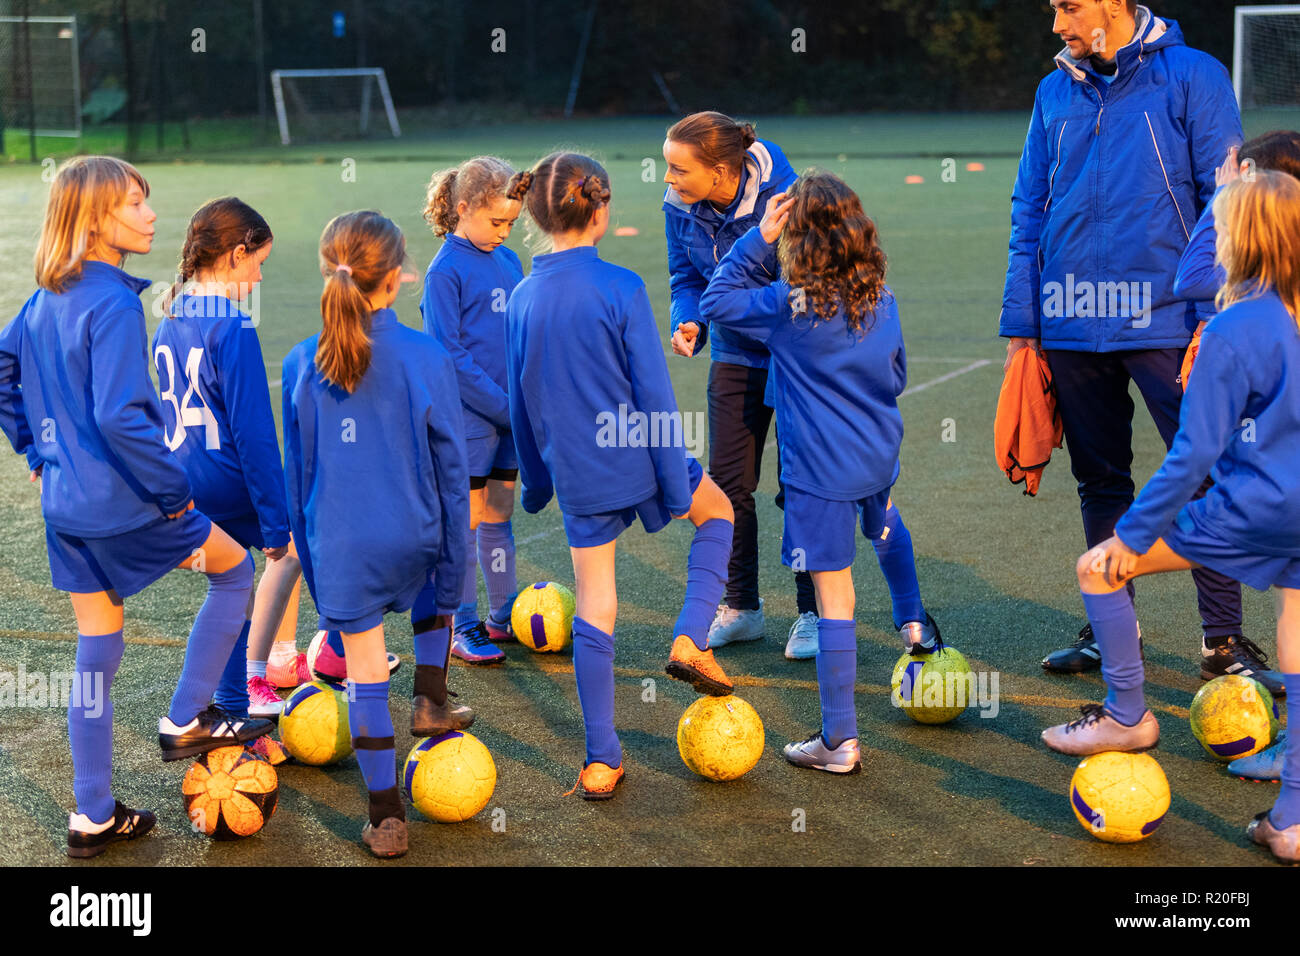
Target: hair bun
519 185
747 137
594 190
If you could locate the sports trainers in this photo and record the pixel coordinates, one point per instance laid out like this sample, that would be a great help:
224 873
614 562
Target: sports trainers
921 637
288 674
1284 844
431 720
332 667
1097 731
270 750
732 626
1241 656
698 668
1079 657
210 729
473 645
1265 765
597 781
263 701
386 841
802 643
813 752
86 839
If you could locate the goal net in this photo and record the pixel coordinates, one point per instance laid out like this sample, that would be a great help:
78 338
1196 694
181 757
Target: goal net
332 104
1266 57
40 79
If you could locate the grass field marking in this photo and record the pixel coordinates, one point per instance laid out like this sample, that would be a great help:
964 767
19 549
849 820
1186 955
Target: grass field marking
979 363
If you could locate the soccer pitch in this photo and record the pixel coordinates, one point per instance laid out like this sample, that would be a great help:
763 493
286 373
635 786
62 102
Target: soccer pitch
996 567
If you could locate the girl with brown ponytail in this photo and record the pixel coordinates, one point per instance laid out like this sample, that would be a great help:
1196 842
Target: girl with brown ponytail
376 477
583 354
720 178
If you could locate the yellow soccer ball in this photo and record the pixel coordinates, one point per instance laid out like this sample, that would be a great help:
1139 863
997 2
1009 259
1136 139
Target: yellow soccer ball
314 724
720 738
932 688
1234 716
1119 797
449 778
542 616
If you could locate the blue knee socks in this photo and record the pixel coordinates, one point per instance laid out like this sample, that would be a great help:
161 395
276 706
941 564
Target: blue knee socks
496 555
706 578
371 726
467 613
898 563
837 670
1286 812
1114 624
215 631
232 692
90 723
593 666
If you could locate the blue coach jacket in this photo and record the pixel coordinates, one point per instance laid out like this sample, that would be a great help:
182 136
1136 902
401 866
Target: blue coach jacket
1112 181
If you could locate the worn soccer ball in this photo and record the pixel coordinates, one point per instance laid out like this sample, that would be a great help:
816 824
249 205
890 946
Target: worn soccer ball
1119 797
230 793
932 688
314 724
1234 716
720 738
542 616
449 778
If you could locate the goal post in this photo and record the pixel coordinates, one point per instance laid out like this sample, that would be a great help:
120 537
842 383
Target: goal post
341 93
1266 56
40 75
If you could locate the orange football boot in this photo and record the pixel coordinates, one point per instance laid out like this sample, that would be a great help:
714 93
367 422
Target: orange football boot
598 780
698 668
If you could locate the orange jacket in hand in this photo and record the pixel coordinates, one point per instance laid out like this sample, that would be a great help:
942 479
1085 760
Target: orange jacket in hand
1028 425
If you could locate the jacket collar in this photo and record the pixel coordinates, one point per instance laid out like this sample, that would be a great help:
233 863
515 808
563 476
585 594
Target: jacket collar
758 161
1149 30
382 319
93 268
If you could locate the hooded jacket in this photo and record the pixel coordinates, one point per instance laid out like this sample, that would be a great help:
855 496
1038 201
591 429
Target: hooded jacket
1112 180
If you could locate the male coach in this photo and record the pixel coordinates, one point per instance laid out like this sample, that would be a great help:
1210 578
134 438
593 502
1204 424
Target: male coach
1118 164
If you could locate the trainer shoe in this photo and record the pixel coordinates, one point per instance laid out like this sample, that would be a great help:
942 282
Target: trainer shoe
813 752
802 643
597 781
1284 844
270 750
386 841
473 646
698 668
431 720
1264 766
1097 731
732 626
263 701
333 668
210 729
499 632
289 673
86 839
1083 655
1241 656
921 637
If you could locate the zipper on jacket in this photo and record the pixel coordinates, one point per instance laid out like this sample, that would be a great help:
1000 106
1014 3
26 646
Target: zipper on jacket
1102 109
1170 189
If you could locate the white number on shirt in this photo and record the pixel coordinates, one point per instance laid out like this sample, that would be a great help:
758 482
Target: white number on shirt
186 414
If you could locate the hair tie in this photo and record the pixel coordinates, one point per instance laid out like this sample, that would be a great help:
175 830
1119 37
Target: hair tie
343 267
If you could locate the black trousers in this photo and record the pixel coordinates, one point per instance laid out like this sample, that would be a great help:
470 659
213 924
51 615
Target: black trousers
738 426
1092 392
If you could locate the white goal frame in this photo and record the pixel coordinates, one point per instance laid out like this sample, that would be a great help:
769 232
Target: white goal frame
375 73
71 22
1238 35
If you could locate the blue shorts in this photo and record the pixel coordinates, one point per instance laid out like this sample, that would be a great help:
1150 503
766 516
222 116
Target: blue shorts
590 531
400 604
819 534
491 455
1261 571
126 563
244 529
